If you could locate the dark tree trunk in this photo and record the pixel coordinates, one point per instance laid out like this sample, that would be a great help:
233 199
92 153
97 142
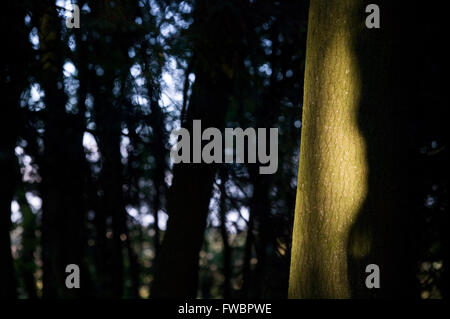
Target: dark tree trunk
159 150
29 242
246 264
9 173
62 169
260 203
109 132
227 266
190 193
261 211
188 205
13 81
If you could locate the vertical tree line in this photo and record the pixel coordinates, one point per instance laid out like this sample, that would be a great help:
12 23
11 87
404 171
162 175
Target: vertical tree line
87 142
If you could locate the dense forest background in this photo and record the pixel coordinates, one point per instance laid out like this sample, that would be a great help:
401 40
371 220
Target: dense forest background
85 172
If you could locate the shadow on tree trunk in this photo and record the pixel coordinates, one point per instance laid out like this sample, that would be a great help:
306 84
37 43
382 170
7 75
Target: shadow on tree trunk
383 232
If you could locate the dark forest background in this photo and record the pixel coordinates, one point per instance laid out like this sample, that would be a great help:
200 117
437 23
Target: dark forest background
85 122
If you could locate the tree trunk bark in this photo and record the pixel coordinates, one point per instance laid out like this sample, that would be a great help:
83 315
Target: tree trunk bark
350 206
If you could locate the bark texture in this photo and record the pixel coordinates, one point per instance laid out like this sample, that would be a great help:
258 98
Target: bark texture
350 197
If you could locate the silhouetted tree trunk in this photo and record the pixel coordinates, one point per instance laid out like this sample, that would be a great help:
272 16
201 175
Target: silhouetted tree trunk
190 193
350 206
13 81
188 200
62 170
10 174
27 266
261 210
159 150
107 114
266 116
109 118
246 263
227 262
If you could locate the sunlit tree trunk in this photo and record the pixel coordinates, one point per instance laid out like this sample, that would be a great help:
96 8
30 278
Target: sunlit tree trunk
350 206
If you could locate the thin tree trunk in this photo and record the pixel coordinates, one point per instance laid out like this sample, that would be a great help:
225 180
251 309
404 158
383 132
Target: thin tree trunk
260 209
158 146
9 177
134 270
108 129
227 266
248 253
29 242
266 115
